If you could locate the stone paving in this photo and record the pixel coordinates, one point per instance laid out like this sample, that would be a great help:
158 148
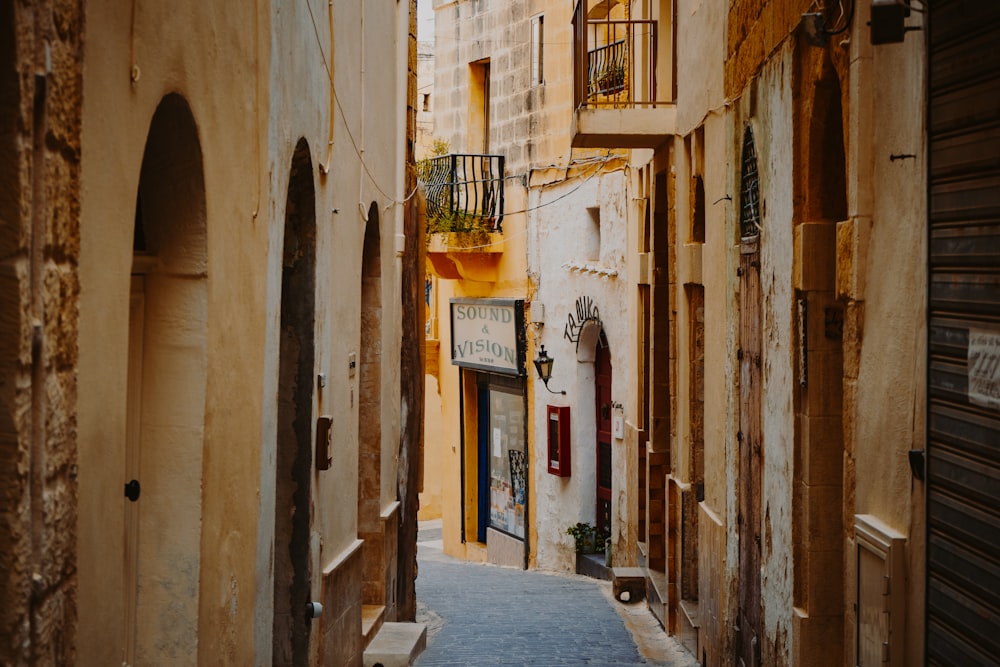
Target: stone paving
486 615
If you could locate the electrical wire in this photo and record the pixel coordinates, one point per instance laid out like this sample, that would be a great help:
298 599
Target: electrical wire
326 65
847 23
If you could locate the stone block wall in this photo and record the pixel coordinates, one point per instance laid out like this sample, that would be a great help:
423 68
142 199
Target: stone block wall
522 116
40 110
756 29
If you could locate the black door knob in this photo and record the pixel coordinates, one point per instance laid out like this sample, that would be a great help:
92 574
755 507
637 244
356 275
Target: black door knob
132 490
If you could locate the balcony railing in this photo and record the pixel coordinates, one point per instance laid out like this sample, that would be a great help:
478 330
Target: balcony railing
614 62
464 192
606 69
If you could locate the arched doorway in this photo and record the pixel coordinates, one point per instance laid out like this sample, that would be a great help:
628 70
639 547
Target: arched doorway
167 358
821 202
293 465
373 591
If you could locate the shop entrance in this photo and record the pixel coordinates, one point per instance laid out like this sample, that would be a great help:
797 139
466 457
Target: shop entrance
502 456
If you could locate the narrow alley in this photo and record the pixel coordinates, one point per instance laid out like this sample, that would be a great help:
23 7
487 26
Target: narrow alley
349 333
488 615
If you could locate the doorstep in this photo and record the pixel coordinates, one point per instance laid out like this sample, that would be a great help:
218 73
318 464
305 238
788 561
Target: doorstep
592 565
396 645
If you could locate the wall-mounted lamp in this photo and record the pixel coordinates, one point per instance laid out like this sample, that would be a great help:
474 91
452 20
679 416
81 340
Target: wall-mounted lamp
543 364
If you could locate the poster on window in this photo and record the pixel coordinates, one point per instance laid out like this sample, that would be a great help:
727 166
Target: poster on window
508 463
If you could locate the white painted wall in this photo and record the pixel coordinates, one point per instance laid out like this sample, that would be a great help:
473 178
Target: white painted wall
562 236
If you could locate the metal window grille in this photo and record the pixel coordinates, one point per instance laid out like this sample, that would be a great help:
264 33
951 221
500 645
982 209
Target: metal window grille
749 189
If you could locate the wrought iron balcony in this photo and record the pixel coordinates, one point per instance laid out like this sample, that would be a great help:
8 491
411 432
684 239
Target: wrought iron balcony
616 63
464 192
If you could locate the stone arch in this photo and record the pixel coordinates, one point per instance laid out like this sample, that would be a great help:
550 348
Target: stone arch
293 461
374 585
167 378
821 202
826 185
591 335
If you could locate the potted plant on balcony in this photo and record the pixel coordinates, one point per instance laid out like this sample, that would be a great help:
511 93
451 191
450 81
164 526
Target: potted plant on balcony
456 207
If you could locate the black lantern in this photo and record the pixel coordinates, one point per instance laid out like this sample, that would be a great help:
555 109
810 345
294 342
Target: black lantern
543 364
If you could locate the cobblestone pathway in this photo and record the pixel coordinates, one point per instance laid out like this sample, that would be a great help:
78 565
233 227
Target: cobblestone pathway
485 615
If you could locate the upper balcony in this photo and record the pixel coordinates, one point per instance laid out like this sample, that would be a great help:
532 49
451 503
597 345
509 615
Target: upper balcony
465 199
617 62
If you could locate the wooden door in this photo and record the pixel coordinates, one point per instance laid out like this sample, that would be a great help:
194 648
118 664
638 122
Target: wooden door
750 435
749 440
602 393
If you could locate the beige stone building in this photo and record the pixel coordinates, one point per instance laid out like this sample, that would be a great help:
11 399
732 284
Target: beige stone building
813 322
495 470
807 462
210 300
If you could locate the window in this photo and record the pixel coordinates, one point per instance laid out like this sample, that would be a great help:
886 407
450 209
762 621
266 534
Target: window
427 102
478 125
537 40
749 193
591 236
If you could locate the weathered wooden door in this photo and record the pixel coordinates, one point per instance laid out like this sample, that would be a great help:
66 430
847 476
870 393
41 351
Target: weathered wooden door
602 393
750 435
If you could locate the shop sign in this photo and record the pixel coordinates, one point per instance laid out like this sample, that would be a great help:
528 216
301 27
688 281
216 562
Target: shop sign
488 334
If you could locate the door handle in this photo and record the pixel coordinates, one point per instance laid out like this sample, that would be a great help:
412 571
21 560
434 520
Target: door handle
132 490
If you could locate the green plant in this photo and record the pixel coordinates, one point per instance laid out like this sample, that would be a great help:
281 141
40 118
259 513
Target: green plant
439 147
586 536
452 221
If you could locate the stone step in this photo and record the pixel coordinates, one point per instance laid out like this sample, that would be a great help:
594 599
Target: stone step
628 584
396 645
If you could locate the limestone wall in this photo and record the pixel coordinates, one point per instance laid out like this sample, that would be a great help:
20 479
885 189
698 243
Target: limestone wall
40 80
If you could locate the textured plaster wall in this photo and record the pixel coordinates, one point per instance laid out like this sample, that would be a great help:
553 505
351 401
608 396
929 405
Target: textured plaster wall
774 135
701 54
881 274
365 39
153 46
257 82
565 267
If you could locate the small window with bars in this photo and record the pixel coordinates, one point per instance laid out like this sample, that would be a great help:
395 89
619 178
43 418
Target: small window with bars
749 189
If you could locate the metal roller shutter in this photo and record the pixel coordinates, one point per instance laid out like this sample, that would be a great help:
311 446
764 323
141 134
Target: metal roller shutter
963 468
